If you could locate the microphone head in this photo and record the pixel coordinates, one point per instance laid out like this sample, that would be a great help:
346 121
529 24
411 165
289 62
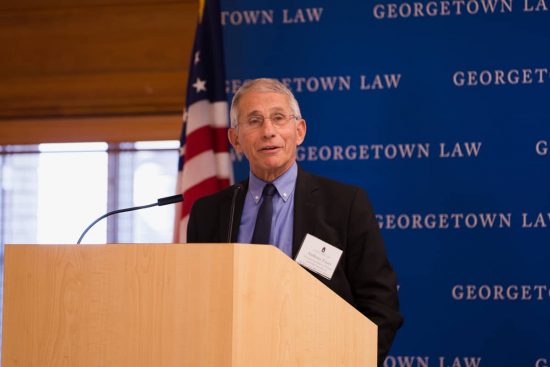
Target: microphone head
170 200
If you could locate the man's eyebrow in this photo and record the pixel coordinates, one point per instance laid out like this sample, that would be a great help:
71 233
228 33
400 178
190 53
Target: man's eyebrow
255 112
271 110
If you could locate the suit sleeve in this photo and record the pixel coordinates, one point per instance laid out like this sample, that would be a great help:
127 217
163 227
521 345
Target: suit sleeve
192 230
198 225
372 279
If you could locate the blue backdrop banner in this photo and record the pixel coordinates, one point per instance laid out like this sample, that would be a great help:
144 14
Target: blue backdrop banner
440 110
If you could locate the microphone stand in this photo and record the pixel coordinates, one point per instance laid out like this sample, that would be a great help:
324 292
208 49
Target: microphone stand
160 202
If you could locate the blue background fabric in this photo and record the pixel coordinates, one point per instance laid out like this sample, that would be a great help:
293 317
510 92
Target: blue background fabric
441 111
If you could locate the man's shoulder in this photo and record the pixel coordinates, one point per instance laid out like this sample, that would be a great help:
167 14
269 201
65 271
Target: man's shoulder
217 197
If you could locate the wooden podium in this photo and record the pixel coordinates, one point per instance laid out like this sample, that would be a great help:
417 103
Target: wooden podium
174 305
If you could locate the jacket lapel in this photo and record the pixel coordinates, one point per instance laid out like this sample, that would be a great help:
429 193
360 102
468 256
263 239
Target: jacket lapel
304 207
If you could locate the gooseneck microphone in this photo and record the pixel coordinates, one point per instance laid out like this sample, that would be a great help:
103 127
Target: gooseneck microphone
160 202
236 190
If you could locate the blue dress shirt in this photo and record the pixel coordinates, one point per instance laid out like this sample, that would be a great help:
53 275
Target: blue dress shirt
283 209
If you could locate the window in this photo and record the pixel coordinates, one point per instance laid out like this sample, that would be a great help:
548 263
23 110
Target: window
49 193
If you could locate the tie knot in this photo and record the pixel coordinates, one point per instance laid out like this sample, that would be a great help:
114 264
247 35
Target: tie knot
269 190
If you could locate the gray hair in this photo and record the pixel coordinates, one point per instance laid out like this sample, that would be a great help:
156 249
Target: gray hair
262 85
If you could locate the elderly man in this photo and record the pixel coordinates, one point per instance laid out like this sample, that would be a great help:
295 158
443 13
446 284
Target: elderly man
280 203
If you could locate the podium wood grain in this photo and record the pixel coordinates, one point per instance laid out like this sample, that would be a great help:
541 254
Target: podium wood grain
174 305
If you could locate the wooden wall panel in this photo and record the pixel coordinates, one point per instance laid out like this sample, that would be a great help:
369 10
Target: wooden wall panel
58 4
87 58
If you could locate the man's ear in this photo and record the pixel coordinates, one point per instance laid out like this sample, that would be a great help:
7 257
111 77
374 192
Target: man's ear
301 129
234 139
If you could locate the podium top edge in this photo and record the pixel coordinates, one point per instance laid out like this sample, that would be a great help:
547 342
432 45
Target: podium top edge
94 245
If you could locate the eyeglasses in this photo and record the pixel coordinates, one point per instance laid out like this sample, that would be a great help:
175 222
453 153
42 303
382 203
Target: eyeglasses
278 120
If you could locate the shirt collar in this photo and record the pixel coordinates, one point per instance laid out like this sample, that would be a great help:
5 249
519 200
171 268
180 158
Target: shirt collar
284 184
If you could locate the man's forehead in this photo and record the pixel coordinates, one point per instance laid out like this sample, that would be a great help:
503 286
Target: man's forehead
261 101
271 110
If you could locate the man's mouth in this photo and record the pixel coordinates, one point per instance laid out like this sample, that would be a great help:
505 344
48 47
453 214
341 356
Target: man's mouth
269 148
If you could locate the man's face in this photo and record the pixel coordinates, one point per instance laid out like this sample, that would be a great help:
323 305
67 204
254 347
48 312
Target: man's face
270 149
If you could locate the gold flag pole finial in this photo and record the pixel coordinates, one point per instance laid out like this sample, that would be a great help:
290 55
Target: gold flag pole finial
201 9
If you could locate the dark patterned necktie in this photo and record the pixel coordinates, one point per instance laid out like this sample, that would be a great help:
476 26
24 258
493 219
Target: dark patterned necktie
262 230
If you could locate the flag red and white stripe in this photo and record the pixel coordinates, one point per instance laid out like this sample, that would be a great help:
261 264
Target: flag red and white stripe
205 164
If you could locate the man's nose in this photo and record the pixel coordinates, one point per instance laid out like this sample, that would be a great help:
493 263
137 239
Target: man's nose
268 129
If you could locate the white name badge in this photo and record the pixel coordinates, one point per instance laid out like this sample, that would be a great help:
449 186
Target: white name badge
318 256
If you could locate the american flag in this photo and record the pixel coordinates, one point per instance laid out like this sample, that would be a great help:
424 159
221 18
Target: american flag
204 163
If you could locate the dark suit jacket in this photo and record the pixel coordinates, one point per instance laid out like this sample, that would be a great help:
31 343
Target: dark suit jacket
338 214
